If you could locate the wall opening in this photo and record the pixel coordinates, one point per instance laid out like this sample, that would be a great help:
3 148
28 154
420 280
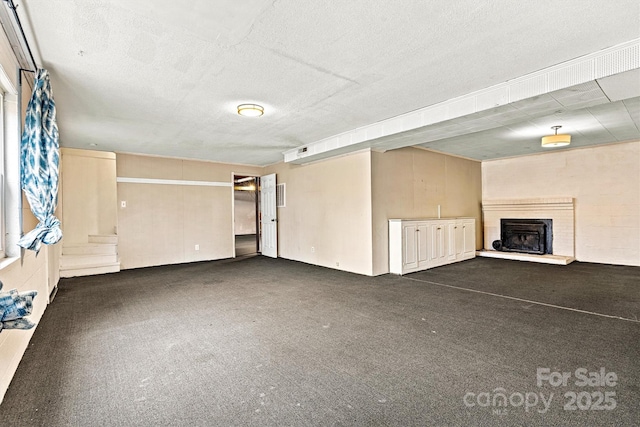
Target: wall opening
246 217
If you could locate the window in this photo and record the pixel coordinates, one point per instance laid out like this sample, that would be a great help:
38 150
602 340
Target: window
10 194
2 180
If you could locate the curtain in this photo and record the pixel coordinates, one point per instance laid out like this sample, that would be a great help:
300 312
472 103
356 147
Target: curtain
14 306
39 158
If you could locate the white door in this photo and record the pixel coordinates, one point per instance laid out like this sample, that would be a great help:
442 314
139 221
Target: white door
268 216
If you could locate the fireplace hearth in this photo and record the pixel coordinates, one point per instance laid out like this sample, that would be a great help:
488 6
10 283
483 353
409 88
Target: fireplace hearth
531 236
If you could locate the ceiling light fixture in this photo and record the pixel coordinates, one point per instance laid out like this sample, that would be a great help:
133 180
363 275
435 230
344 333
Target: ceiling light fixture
556 140
250 110
245 179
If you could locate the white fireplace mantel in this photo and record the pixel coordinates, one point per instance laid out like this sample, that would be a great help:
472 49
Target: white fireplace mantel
556 203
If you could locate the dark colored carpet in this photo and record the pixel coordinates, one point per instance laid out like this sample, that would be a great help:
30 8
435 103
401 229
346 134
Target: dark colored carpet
275 342
607 289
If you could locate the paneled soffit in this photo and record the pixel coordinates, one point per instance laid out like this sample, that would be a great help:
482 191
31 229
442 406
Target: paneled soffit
596 98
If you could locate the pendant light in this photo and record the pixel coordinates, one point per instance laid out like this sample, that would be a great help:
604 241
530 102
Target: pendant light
556 140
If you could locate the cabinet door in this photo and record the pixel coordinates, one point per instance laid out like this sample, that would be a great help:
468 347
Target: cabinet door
437 254
452 240
460 239
423 245
409 246
469 232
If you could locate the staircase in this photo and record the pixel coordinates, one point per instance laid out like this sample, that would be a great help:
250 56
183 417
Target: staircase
99 256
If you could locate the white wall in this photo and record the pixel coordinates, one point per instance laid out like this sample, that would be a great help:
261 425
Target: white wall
603 180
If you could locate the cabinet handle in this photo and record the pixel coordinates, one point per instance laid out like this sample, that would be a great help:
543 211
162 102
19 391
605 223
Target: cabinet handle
439 228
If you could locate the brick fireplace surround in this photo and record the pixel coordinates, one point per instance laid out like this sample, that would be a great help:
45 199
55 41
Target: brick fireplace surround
558 209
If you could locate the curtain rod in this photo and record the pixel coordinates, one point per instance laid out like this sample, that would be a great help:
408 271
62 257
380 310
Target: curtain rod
13 8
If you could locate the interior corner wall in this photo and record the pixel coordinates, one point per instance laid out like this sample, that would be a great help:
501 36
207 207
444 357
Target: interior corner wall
162 223
88 193
327 218
411 183
604 182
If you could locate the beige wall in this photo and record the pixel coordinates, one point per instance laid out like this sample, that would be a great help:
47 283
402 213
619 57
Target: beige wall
411 183
88 193
32 273
605 183
162 224
328 208
29 273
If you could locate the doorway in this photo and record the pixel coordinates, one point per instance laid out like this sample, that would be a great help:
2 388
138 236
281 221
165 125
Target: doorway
246 214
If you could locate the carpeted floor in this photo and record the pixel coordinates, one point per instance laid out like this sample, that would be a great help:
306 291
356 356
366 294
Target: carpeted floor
263 341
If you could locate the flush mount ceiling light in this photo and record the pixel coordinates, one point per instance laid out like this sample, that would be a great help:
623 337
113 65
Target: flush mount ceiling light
250 110
556 140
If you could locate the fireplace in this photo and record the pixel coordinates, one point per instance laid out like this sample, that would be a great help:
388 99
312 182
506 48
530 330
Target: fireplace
558 209
532 236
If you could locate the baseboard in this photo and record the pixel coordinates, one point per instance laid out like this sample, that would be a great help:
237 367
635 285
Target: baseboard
53 293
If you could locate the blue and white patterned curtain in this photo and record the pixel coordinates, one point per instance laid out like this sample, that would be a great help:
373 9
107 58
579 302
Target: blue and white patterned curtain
39 158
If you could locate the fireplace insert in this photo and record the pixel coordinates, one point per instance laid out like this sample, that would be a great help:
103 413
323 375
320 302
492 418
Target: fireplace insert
531 236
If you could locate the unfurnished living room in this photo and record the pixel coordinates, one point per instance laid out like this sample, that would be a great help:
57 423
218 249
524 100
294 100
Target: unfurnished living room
297 213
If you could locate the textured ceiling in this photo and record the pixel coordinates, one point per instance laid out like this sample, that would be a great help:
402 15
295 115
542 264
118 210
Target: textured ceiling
604 123
163 77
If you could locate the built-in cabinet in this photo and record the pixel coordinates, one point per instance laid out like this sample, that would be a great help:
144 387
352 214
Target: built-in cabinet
418 244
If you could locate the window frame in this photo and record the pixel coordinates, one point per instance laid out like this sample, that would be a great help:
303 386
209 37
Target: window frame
3 192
